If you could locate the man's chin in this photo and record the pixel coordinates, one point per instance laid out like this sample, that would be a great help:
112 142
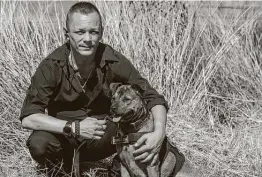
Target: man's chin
86 53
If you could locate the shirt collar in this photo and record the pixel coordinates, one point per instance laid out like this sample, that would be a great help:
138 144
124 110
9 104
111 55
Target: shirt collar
72 62
105 53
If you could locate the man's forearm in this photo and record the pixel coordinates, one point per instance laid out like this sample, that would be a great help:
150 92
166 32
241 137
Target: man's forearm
44 122
160 116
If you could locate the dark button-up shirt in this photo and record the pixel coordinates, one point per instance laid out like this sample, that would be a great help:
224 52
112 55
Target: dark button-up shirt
55 86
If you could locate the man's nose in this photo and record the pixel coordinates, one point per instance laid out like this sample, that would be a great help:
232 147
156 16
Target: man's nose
87 37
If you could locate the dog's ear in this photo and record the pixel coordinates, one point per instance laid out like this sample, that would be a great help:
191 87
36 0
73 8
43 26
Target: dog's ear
138 89
113 87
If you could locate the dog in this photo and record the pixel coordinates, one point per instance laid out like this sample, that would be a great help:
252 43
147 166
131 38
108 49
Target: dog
129 112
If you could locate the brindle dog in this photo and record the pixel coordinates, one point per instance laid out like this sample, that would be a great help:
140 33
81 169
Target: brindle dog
134 120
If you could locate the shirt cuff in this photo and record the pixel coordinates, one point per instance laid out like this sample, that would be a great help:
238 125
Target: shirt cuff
157 101
31 110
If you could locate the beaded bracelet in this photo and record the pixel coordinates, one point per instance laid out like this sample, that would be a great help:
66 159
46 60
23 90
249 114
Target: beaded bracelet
77 128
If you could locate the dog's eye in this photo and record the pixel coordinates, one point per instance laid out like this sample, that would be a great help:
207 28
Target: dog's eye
126 99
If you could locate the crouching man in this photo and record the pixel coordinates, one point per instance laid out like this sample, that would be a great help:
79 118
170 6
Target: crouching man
72 84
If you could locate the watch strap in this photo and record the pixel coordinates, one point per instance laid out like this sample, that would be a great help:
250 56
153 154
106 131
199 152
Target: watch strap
77 128
68 125
70 136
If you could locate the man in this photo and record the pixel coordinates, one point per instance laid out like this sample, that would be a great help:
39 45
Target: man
72 85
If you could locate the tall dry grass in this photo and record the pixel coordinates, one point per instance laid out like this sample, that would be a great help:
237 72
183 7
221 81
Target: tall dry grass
209 70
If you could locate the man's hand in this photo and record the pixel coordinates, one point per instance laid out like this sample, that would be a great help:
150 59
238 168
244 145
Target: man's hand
149 144
92 128
148 147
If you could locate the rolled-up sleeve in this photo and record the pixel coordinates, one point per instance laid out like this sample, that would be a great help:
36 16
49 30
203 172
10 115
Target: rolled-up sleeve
130 75
40 90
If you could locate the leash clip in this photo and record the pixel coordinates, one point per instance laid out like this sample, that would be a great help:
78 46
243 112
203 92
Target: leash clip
120 138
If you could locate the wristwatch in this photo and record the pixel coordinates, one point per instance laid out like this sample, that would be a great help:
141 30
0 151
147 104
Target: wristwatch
67 130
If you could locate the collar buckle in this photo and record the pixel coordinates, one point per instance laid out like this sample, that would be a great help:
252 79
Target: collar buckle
123 139
120 138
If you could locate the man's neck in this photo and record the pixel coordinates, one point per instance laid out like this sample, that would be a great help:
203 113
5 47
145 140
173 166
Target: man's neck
83 61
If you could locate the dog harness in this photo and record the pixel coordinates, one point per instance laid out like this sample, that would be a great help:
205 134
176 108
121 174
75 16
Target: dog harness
130 138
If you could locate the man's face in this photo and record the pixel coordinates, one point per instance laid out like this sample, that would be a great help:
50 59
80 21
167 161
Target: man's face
84 33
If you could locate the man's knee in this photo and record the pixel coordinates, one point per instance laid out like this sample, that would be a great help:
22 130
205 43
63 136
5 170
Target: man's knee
43 145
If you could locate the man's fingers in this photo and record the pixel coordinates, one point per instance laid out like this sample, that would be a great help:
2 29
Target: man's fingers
100 133
103 127
155 160
99 127
100 122
141 150
140 141
148 158
142 156
97 137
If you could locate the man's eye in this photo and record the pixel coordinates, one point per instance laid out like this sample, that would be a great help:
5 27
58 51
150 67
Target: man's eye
79 32
94 32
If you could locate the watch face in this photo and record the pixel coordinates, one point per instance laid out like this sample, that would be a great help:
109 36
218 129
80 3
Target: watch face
67 130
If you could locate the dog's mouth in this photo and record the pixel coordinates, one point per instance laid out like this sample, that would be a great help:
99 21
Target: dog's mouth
116 119
124 118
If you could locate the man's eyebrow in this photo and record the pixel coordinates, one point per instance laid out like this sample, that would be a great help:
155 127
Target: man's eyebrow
94 29
78 30
89 29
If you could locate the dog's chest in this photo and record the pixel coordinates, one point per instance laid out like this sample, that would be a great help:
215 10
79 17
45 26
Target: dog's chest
127 159
125 151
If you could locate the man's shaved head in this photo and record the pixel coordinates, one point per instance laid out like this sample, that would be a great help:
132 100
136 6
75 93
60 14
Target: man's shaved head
83 8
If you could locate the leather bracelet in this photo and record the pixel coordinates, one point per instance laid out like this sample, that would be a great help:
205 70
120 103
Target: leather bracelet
77 128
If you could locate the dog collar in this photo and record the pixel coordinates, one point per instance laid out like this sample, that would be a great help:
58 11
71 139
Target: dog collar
137 125
131 138
132 127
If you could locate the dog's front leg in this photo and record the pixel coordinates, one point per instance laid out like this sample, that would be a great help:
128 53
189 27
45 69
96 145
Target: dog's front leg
124 165
124 171
129 165
153 171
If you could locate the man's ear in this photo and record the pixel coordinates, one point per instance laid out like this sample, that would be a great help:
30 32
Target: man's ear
102 32
66 33
113 87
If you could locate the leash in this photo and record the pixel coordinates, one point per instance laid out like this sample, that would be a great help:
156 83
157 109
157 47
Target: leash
76 160
120 138
76 157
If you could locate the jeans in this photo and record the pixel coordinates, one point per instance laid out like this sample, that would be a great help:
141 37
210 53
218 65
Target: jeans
49 148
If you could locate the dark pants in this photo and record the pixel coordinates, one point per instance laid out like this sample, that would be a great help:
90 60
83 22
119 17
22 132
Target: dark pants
49 148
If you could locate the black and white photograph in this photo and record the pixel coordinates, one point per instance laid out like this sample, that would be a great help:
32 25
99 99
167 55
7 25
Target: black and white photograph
130 88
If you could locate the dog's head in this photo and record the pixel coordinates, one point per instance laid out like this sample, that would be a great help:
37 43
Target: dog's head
126 101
